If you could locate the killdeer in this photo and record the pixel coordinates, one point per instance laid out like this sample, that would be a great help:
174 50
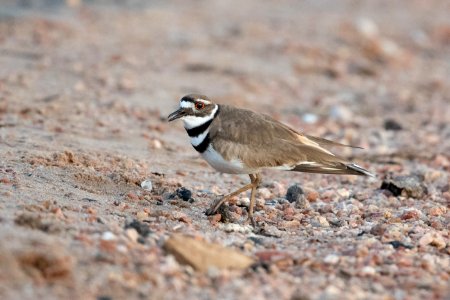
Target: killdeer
240 141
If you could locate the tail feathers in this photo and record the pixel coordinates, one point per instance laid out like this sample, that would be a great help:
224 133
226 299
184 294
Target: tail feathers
359 170
343 169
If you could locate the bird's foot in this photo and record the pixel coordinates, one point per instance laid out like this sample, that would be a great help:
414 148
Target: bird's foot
213 209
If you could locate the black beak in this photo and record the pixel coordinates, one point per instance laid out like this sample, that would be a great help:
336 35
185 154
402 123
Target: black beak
176 114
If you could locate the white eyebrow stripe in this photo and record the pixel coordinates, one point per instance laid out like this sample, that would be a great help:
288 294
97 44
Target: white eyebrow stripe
186 104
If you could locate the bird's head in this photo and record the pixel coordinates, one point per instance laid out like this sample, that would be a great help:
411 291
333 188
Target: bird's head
194 110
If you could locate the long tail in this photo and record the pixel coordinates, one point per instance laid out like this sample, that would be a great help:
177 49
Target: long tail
349 169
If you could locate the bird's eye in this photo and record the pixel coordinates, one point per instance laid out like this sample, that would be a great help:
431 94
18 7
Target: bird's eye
199 105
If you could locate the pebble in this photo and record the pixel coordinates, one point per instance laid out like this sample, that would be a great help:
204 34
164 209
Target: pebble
108 236
132 234
156 144
293 193
141 215
411 214
312 196
368 271
265 193
184 193
243 201
331 259
367 27
433 239
391 124
437 211
407 186
233 227
340 113
141 228
310 118
320 222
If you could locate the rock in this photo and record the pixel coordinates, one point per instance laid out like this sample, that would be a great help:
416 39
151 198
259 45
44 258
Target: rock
341 113
320 222
233 227
202 255
147 185
398 244
265 193
391 124
433 239
140 227
184 193
274 257
368 271
312 196
367 28
141 215
331 259
407 186
132 234
293 193
108 236
310 118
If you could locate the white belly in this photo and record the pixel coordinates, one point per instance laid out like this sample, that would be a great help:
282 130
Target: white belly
216 161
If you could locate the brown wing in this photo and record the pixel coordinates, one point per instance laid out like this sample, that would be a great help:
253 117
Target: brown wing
260 141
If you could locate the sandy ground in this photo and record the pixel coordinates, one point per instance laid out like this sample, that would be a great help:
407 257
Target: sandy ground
84 94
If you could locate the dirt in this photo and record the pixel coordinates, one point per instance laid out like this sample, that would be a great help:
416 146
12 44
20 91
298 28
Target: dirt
85 89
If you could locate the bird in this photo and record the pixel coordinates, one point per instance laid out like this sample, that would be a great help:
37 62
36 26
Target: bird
239 141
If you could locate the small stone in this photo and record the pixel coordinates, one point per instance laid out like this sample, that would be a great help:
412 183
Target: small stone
264 193
398 244
147 185
436 211
155 144
233 227
320 222
184 193
344 193
141 228
293 193
368 271
341 113
132 234
132 196
331 259
141 215
312 196
367 28
433 239
5 180
202 255
407 186
108 236
391 124
243 201
410 214
310 118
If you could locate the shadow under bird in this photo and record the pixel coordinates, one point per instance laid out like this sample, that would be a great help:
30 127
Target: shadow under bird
239 141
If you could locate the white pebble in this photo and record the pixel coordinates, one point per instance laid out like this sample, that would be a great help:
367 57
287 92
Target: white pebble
368 270
147 185
108 236
331 259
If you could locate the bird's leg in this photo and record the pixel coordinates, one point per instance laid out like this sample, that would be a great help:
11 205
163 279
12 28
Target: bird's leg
256 180
215 206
